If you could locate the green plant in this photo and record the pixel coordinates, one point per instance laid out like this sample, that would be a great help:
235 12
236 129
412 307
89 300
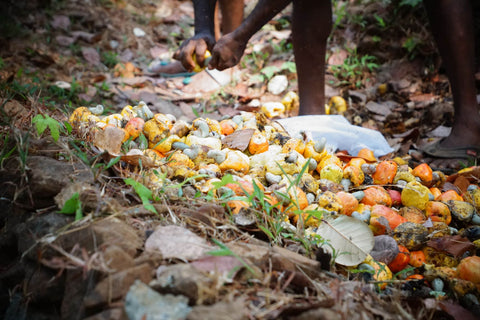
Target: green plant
381 23
352 71
143 192
42 122
73 206
411 45
7 148
340 11
255 61
109 58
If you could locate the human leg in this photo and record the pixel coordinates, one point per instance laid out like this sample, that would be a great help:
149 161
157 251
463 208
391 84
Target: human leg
232 14
452 27
312 23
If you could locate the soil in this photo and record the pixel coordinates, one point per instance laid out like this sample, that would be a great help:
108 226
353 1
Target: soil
59 55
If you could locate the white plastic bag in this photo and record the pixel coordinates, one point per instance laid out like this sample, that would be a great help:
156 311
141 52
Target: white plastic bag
340 134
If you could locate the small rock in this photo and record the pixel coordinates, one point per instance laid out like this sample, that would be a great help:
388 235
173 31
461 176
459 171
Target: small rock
48 176
138 32
278 84
117 285
143 303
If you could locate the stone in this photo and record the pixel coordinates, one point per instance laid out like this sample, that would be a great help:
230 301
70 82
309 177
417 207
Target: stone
184 279
106 231
116 285
28 233
142 303
48 176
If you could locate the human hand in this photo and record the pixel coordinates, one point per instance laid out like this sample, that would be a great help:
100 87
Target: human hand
197 45
227 52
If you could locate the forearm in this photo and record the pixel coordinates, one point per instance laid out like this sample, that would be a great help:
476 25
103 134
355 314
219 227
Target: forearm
263 12
204 16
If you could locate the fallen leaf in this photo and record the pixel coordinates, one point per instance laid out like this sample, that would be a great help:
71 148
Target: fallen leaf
60 22
175 242
91 55
455 245
351 239
109 139
456 311
238 140
85 36
64 40
217 264
379 108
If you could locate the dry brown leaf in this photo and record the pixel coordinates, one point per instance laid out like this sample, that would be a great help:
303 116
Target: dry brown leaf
454 245
91 55
238 140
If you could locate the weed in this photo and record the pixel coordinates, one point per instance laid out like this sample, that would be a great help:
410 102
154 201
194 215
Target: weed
7 148
411 44
110 58
340 12
42 122
352 71
143 192
73 206
256 61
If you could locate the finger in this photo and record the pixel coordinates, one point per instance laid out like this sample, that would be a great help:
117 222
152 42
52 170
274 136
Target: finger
186 56
213 64
200 50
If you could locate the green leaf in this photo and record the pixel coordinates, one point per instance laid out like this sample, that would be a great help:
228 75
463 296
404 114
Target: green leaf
54 127
112 162
43 121
269 71
290 66
143 192
40 123
71 205
226 179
